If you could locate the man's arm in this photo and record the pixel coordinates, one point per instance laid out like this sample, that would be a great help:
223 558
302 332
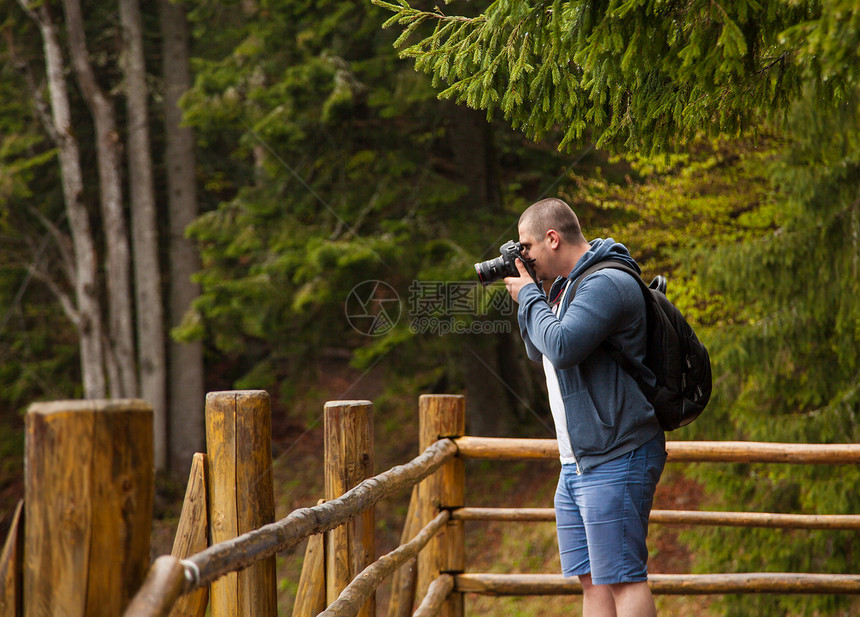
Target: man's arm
593 315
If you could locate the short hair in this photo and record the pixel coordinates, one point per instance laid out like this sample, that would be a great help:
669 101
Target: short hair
555 214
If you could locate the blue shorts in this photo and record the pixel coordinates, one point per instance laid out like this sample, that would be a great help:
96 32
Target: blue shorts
602 515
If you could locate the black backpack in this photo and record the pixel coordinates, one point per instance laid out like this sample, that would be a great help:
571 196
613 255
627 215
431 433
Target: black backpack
674 354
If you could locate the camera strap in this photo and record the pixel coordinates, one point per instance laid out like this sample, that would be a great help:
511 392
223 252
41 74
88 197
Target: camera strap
560 295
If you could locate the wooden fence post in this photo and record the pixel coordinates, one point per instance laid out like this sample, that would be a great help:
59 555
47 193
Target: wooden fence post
241 495
89 486
442 416
403 583
192 536
348 461
310 595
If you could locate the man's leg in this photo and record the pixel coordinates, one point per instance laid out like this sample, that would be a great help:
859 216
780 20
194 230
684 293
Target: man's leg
615 500
597 600
632 599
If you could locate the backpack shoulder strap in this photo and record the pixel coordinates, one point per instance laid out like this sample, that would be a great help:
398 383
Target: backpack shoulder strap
609 263
623 361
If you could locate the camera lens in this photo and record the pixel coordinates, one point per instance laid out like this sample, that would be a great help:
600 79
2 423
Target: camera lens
494 270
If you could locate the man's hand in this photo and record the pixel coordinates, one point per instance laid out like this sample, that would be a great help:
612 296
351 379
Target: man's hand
515 283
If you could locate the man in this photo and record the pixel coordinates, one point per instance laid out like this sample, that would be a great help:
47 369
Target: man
611 446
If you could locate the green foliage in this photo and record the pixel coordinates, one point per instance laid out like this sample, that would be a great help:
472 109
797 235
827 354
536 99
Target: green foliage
790 355
636 73
799 348
666 208
336 165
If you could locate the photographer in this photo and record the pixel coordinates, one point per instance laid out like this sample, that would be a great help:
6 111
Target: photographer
611 446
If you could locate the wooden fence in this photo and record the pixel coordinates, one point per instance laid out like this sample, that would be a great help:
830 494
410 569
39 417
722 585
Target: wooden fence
80 543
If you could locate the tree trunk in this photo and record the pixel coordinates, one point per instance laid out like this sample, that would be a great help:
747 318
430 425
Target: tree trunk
473 149
489 408
87 314
152 361
186 359
110 187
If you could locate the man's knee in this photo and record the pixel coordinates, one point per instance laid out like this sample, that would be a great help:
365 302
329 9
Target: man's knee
597 600
633 599
588 587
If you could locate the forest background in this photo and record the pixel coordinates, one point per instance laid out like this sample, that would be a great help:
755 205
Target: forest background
204 195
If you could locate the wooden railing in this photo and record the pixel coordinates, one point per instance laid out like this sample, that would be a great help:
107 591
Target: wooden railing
675 584
230 492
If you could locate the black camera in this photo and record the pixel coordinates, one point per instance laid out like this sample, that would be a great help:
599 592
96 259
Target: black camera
505 265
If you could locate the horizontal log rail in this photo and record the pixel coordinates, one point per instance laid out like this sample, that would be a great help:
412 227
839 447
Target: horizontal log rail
763 452
232 555
679 451
679 517
502 448
756 519
351 599
664 584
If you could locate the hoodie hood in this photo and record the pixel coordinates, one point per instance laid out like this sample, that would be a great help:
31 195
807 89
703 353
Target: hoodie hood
601 250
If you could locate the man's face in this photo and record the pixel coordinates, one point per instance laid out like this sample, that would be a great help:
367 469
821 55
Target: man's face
537 249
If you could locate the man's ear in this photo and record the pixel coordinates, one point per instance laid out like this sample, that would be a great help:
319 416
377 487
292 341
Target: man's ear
554 238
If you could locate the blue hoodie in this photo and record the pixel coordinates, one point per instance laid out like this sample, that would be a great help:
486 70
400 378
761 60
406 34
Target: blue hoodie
607 413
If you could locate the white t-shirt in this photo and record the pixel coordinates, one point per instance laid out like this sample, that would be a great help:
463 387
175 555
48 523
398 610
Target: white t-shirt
556 404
